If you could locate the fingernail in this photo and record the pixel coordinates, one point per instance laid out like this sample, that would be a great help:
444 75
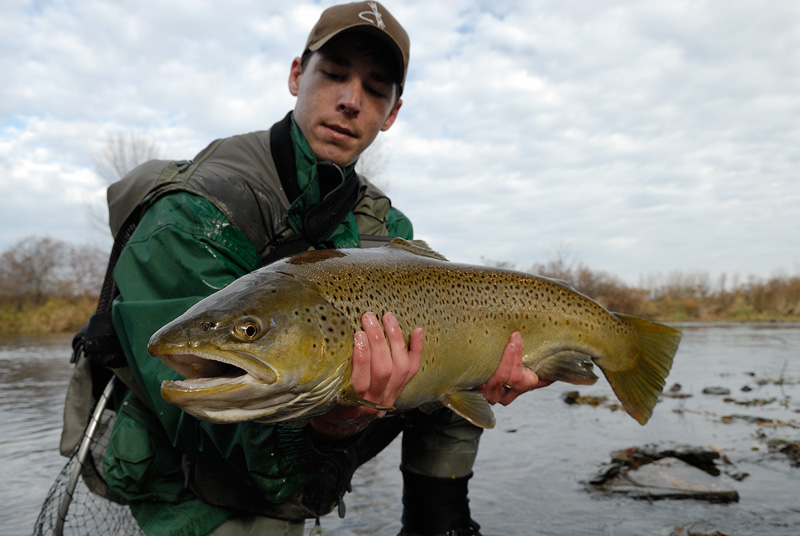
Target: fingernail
370 318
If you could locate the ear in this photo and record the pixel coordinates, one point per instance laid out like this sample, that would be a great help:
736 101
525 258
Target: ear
294 76
392 116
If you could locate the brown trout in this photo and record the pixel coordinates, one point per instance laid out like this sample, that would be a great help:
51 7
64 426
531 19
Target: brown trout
277 344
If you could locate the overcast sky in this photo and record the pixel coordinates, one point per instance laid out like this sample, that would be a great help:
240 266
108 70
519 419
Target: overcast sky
645 137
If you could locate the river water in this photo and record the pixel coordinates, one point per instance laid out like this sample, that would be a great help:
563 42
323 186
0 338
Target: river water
531 471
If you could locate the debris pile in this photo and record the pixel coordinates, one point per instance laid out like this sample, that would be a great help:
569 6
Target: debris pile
653 473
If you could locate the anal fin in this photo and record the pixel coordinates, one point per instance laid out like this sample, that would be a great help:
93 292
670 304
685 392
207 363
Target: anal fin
472 406
567 366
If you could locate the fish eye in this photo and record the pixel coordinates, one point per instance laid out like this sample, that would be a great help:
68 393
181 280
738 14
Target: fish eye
248 329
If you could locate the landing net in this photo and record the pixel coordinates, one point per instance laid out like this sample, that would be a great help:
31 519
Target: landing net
79 502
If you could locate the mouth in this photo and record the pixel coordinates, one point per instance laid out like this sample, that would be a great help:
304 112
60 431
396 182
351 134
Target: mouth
339 131
207 371
218 390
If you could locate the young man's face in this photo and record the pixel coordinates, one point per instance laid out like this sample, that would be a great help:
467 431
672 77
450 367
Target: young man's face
344 98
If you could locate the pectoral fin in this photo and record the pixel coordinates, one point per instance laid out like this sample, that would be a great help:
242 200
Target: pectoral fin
348 399
472 406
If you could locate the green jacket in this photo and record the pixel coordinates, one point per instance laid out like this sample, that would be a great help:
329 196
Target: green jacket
185 248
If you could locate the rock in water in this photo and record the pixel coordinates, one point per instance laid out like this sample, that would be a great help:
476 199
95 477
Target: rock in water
670 478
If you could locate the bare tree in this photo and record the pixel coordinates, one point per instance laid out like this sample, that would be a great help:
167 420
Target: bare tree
84 269
562 263
29 269
34 269
122 153
372 164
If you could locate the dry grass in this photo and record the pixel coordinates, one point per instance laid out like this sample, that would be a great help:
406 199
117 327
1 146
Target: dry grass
53 315
676 298
682 297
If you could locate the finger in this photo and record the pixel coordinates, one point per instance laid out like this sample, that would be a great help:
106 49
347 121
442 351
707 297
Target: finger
393 333
515 349
527 382
373 330
360 376
509 395
397 343
530 380
415 351
380 357
507 375
506 366
401 362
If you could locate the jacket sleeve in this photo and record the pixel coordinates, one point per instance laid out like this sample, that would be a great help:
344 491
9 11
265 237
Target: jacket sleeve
399 225
183 250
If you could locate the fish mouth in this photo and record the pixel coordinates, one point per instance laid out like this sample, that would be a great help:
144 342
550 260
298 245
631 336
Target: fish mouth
218 390
204 370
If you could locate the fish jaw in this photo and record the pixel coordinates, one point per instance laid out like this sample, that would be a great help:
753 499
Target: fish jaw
221 390
203 368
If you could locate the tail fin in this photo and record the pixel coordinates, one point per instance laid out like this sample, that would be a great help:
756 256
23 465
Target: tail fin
638 388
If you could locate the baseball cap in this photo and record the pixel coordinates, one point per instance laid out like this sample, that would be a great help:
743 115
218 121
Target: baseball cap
369 17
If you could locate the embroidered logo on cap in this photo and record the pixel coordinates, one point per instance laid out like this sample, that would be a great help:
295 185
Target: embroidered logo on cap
366 15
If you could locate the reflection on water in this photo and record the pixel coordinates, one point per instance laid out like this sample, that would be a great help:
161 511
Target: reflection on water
531 468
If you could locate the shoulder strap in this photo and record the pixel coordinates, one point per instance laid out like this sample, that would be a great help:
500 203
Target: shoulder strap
280 145
97 337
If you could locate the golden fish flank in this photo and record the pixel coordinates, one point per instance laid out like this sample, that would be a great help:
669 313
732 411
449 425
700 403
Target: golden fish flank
310 305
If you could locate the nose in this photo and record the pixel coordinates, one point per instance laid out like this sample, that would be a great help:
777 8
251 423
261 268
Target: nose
350 97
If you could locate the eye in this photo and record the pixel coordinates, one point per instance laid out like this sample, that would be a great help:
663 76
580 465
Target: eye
336 77
375 92
247 329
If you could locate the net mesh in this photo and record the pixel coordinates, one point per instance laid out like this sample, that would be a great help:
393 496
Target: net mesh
92 507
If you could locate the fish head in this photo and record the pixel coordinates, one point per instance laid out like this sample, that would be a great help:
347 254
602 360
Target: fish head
268 347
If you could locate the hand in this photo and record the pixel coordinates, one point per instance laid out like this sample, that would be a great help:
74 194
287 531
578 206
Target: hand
380 372
511 379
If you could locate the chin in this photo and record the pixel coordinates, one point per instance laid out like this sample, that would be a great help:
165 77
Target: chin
341 160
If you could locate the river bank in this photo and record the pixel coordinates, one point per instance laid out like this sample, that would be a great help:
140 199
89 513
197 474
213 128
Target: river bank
52 315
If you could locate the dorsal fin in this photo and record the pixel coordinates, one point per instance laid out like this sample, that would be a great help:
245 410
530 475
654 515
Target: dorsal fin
562 283
417 247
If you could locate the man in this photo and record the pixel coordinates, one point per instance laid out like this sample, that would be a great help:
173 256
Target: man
246 201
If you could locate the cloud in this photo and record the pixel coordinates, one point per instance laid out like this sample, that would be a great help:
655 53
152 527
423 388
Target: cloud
649 136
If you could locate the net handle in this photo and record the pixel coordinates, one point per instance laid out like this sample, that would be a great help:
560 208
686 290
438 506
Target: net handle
83 450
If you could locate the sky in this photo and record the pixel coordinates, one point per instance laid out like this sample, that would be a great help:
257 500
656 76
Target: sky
644 138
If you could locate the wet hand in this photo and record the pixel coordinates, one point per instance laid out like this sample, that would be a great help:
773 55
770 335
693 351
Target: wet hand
510 379
382 366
